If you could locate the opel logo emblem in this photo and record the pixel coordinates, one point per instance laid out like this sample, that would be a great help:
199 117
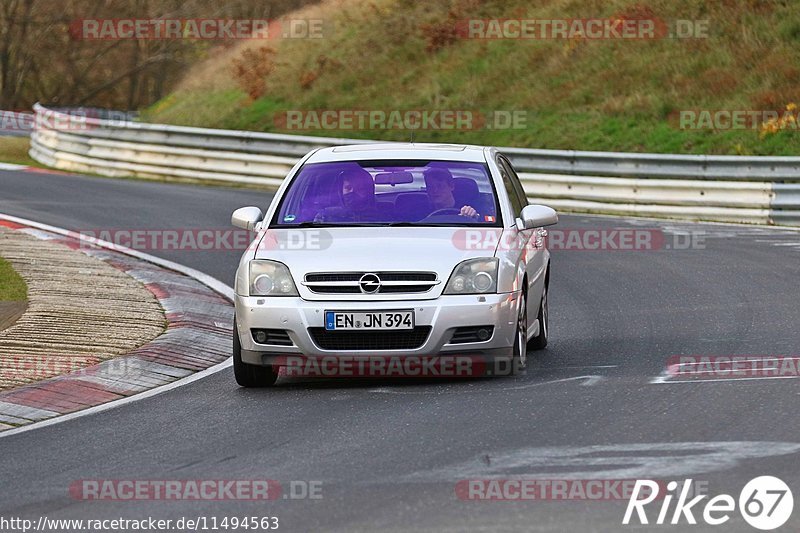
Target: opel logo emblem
369 283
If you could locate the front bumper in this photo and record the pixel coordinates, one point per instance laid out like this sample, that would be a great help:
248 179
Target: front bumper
443 314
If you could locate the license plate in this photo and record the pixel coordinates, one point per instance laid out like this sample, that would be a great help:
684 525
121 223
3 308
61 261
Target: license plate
339 320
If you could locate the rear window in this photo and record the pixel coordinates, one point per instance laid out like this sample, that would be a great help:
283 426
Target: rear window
407 193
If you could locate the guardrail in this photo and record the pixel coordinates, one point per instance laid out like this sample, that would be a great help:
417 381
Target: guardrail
693 187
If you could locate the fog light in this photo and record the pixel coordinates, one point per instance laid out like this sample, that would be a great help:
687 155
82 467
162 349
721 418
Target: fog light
483 334
261 336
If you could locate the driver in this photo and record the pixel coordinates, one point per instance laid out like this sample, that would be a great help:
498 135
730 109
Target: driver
440 185
357 194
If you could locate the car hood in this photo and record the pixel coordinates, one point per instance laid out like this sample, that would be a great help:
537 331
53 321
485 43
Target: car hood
375 249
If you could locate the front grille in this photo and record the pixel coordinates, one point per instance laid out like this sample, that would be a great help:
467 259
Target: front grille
471 334
333 289
404 288
275 337
370 340
391 282
333 276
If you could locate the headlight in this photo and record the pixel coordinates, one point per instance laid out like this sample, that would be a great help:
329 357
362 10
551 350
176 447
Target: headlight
270 278
474 276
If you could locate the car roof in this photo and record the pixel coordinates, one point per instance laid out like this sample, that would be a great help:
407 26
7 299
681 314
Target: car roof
424 151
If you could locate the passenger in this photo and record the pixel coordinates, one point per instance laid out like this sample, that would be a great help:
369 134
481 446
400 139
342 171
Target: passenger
439 184
357 194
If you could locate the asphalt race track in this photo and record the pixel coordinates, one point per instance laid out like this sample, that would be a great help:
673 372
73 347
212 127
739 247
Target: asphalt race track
594 405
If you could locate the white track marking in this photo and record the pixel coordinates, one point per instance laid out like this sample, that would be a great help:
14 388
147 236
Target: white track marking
668 373
671 222
588 382
213 283
577 366
667 381
615 461
661 378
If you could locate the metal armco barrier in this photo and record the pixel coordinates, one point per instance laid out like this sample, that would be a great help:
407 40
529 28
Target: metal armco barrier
749 189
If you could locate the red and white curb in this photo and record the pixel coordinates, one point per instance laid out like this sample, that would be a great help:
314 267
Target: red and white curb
26 168
197 340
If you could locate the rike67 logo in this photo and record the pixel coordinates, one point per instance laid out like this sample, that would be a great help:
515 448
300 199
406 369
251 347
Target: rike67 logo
765 503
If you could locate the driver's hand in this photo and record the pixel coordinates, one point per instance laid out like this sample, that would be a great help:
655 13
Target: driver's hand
468 211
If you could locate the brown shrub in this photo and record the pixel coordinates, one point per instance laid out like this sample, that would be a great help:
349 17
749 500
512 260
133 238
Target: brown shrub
307 79
718 81
449 29
772 99
251 69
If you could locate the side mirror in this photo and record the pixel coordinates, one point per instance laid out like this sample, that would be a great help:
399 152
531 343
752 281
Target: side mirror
536 216
247 218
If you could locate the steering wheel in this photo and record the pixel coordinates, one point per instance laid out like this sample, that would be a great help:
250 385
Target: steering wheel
445 211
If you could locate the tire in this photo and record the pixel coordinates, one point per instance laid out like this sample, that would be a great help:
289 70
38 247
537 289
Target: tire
520 354
250 375
540 341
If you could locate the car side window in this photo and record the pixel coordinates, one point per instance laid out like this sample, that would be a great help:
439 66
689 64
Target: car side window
508 183
515 182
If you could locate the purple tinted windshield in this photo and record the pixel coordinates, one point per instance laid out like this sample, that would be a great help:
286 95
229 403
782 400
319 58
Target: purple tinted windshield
446 193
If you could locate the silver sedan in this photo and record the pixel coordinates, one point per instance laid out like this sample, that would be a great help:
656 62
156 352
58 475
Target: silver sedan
406 252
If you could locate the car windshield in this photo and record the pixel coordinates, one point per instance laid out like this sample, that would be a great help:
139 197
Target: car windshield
387 193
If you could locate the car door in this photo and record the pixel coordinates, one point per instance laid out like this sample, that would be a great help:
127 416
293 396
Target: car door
515 247
534 255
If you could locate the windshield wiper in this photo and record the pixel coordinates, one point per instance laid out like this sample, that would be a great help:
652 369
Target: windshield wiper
411 225
310 224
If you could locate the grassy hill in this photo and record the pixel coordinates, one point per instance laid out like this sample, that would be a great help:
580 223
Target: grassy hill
578 93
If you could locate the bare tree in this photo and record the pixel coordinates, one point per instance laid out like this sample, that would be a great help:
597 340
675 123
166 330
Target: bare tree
43 57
